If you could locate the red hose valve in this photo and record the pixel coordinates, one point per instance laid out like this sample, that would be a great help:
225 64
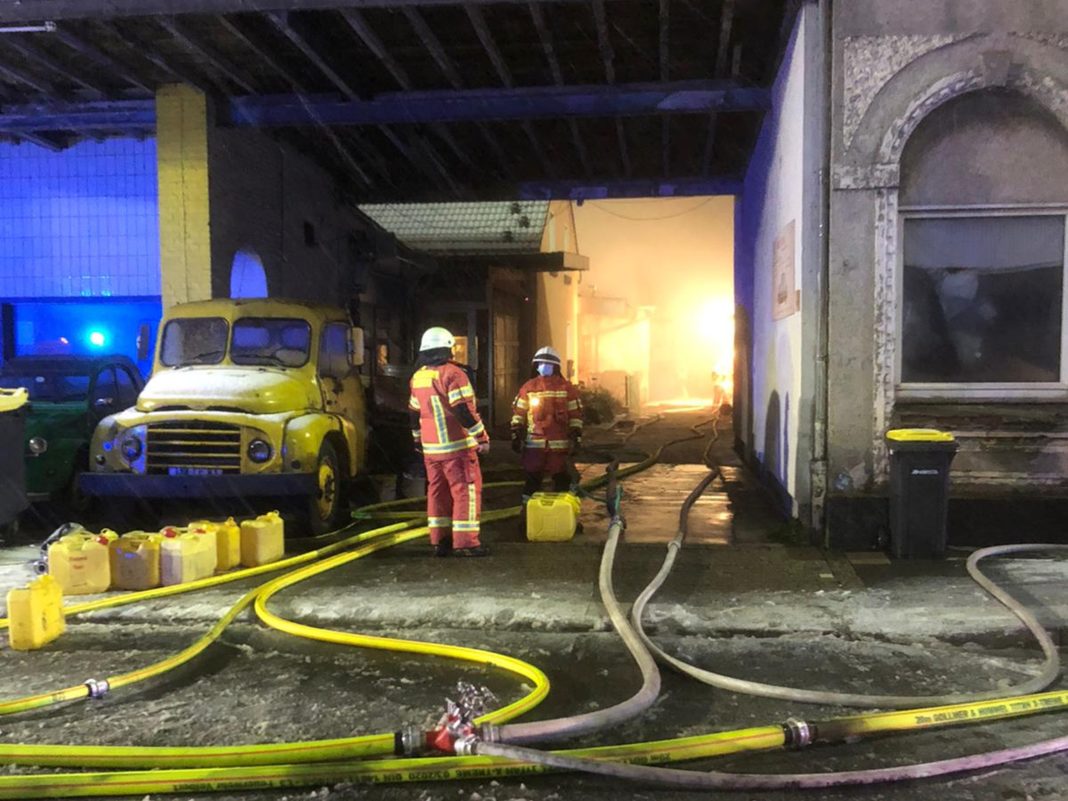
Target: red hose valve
456 730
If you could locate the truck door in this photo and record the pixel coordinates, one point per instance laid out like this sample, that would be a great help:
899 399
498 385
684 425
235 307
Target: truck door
342 388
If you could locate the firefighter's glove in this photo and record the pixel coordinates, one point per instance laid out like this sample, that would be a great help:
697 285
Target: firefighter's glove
483 448
576 443
517 440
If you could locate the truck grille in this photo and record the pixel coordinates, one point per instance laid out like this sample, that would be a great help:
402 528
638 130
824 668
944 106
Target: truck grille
193 445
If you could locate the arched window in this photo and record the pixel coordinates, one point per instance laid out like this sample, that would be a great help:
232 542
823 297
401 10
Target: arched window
984 202
247 277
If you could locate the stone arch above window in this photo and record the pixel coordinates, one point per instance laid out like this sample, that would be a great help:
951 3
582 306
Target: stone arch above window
989 147
248 279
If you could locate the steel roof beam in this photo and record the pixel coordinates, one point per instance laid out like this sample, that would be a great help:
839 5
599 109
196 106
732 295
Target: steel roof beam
186 40
42 141
472 105
32 53
15 75
546 38
37 10
366 34
281 22
101 58
356 21
547 46
489 44
665 69
148 53
668 187
419 159
726 22
608 58
262 54
372 154
433 45
297 85
116 115
523 103
604 43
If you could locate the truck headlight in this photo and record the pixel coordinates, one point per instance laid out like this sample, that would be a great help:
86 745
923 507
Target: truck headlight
131 448
259 451
37 445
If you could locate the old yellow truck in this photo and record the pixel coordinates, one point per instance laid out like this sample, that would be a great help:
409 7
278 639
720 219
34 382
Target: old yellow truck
247 398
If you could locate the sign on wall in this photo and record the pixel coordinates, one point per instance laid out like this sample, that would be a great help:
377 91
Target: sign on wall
786 299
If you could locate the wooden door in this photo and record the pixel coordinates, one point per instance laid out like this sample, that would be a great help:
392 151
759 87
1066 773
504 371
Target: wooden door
506 373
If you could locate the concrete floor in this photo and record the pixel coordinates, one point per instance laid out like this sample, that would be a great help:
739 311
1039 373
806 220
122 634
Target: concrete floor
745 599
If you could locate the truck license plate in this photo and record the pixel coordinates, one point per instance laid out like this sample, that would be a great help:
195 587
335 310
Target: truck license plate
194 471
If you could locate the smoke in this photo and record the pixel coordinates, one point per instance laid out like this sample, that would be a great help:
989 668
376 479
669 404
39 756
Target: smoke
658 301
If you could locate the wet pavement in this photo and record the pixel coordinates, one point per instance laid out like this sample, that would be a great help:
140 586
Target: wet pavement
747 599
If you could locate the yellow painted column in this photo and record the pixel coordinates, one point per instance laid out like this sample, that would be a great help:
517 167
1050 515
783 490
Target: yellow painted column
184 214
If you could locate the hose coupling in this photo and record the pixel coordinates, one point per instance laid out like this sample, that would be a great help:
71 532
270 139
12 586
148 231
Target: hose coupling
457 727
466 745
798 733
98 688
410 741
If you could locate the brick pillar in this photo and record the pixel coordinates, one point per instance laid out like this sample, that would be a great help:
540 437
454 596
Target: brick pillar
182 122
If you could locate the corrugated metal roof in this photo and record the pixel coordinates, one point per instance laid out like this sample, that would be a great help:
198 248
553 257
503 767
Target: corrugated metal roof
464 229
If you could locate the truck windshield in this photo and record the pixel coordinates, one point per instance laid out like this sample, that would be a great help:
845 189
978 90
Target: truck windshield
278 341
193 340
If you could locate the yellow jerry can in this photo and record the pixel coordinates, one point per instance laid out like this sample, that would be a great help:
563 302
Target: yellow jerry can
79 563
35 614
135 561
227 541
186 557
552 516
262 540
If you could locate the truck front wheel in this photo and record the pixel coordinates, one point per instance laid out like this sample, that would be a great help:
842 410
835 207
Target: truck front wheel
327 506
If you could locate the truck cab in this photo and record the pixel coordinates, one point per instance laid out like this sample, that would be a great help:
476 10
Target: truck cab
247 398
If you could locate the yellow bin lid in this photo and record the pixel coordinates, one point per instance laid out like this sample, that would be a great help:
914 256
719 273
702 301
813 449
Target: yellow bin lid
919 435
13 399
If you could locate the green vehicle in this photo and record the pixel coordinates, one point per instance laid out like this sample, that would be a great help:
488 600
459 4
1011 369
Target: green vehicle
68 395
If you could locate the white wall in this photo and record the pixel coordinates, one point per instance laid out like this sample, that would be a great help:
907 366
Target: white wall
772 198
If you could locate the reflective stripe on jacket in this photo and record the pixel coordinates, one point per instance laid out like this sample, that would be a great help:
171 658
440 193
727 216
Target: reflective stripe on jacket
436 393
549 410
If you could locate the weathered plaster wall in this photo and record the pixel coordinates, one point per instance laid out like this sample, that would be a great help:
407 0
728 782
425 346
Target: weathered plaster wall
893 65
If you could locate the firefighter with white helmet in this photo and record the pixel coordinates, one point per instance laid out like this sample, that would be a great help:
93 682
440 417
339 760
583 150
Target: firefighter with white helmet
546 424
447 429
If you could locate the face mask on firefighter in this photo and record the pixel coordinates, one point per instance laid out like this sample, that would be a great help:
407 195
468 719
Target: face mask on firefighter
545 369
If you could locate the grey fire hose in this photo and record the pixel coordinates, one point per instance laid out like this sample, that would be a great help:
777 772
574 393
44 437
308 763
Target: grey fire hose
697 780
1050 667
600 719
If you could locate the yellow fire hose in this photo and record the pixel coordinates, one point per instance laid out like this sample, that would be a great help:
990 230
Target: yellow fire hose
682 749
323 750
82 691
252 771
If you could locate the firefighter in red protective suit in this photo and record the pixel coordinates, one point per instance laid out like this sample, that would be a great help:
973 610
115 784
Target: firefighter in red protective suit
447 429
546 425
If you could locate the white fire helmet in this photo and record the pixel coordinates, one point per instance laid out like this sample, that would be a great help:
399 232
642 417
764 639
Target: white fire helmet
436 337
547 355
